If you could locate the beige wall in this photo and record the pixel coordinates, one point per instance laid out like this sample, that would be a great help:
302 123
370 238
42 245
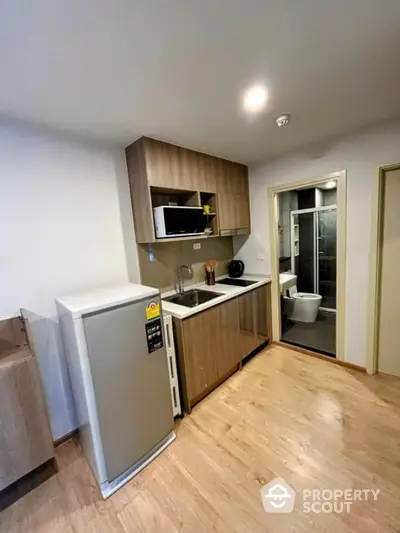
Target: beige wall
360 155
161 272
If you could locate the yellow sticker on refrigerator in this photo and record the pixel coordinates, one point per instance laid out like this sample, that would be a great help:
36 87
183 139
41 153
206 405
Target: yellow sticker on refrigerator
152 310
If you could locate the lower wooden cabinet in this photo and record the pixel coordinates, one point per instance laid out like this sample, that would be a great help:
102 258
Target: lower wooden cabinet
254 319
196 342
247 318
212 344
263 326
228 352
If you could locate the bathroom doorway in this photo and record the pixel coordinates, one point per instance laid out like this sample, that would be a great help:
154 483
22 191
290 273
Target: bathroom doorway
307 255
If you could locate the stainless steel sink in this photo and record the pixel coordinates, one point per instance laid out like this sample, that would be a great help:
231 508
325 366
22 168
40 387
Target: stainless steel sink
193 297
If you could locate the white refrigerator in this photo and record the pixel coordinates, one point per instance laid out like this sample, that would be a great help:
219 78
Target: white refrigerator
115 349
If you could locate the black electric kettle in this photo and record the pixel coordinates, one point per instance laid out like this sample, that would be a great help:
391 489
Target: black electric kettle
235 268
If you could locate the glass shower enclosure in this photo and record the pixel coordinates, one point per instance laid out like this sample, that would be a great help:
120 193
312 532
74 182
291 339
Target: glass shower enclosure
313 252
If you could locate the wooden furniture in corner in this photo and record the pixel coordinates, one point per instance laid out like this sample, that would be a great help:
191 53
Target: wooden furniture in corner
212 344
25 436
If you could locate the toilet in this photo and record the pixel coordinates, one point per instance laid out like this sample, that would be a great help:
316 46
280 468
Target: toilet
302 306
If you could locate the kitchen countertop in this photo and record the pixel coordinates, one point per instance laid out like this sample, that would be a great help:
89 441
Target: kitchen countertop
227 292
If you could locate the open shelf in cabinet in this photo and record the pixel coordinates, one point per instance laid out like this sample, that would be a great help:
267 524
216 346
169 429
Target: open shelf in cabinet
163 196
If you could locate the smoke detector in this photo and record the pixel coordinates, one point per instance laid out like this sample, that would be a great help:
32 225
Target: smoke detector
282 120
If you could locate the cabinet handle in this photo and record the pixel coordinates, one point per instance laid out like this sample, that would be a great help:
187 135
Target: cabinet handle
168 337
227 232
243 231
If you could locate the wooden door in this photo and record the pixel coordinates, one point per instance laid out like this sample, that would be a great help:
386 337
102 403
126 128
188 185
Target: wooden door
247 324
200 334
229 354
388 344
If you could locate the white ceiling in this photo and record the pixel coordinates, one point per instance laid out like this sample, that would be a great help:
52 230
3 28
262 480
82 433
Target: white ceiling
175 69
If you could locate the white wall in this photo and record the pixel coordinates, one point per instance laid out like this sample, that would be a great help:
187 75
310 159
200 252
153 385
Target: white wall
360 155
64 216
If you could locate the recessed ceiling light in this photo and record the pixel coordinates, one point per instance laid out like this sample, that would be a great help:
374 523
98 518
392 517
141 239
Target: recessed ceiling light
255 98
330 184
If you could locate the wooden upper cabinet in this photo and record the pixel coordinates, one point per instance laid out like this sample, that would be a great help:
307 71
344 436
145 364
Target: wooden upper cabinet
227 213
155 165
167 165
233 199
209 170
173 167
242 207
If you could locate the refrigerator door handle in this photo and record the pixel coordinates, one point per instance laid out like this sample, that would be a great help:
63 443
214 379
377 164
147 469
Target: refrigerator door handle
168 335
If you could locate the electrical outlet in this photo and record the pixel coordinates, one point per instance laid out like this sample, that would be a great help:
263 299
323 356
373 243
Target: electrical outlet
197 246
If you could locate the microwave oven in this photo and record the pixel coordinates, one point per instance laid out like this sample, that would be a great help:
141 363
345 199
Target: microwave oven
178 221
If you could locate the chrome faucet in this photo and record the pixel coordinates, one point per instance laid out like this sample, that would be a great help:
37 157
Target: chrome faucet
180 286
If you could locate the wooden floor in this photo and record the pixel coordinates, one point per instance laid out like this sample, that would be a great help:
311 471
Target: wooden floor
316 424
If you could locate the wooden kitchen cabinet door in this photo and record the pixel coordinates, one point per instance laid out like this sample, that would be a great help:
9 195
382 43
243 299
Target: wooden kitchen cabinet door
229 354
242 213
264 318
170 167
247 323
200 334
227 213
242 200
189 170
233 199
260 296
226 187
159 163
209 172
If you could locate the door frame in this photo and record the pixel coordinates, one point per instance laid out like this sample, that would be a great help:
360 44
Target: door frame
375 267
341 232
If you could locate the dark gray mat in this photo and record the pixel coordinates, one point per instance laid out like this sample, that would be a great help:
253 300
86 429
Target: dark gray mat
319 336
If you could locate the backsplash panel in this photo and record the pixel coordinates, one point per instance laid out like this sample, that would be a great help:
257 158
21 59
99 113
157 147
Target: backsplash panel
161 272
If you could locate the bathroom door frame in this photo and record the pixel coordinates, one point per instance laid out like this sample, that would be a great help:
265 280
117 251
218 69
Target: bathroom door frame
375 266
341 225
314 210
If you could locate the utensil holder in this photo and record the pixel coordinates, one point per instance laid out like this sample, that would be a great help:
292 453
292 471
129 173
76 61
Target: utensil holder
210 278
